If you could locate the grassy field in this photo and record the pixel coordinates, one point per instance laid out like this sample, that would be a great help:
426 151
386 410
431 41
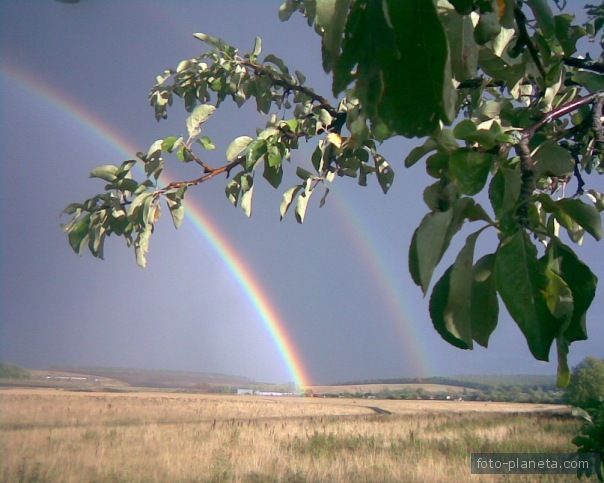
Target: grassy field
51 435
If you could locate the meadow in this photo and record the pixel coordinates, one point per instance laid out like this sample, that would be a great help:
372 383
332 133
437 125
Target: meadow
55 435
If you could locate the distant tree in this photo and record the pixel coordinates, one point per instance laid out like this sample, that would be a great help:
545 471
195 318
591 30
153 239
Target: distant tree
586 388
11 371
591 439
507 108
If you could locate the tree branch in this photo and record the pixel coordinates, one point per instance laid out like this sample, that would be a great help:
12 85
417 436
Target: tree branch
562 110
586 64
527 163
211 173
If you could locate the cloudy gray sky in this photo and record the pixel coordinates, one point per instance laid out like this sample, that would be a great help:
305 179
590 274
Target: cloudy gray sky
339 282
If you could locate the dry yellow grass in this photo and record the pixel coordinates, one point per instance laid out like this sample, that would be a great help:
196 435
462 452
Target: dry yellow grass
62 436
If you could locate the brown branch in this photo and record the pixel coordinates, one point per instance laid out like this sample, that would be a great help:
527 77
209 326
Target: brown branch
213 172
562 111
206 167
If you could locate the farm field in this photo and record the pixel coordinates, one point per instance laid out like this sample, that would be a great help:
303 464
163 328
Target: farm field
54 435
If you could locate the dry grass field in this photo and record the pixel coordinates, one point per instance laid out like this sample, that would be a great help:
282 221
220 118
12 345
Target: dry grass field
52 435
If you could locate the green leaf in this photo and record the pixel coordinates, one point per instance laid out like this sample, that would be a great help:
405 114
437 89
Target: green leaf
71 208
78 233
177 211
504 190
568 34
233 189
331 17
302 204
558 296
417 95
582 283
288 197
168 143
419 152
257 47
387 48
553 160
141 245
273 174
198 117
450 309
303 174
563 376
206 143
464 129
544 16
255 150
462 46
107 172
469 169
385 174
273 59
236 147
428 244
488 28
485 306
215 42
285 10
593 82
463 7
246 201
585 215
521 284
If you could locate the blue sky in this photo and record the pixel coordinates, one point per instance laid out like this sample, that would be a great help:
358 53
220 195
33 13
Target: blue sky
339 281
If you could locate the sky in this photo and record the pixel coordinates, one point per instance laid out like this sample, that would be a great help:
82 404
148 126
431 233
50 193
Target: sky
327 301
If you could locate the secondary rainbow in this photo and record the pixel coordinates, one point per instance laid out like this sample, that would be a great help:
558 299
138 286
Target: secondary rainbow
390 291
209 230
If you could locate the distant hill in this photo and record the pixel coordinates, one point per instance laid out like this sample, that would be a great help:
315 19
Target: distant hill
11 371
159 378
522 380
384 389
478 381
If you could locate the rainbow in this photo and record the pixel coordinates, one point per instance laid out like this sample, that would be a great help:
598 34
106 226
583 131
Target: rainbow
382 276
207 228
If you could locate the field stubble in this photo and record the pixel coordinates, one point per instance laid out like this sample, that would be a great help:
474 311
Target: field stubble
61 436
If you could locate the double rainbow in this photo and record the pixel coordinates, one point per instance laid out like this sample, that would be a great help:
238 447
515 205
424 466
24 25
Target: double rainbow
267 311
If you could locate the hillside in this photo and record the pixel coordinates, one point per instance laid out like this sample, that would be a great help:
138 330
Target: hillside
158 378
11 371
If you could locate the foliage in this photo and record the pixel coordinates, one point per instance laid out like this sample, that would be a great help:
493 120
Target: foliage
591 438
11 371
508 110
586 388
